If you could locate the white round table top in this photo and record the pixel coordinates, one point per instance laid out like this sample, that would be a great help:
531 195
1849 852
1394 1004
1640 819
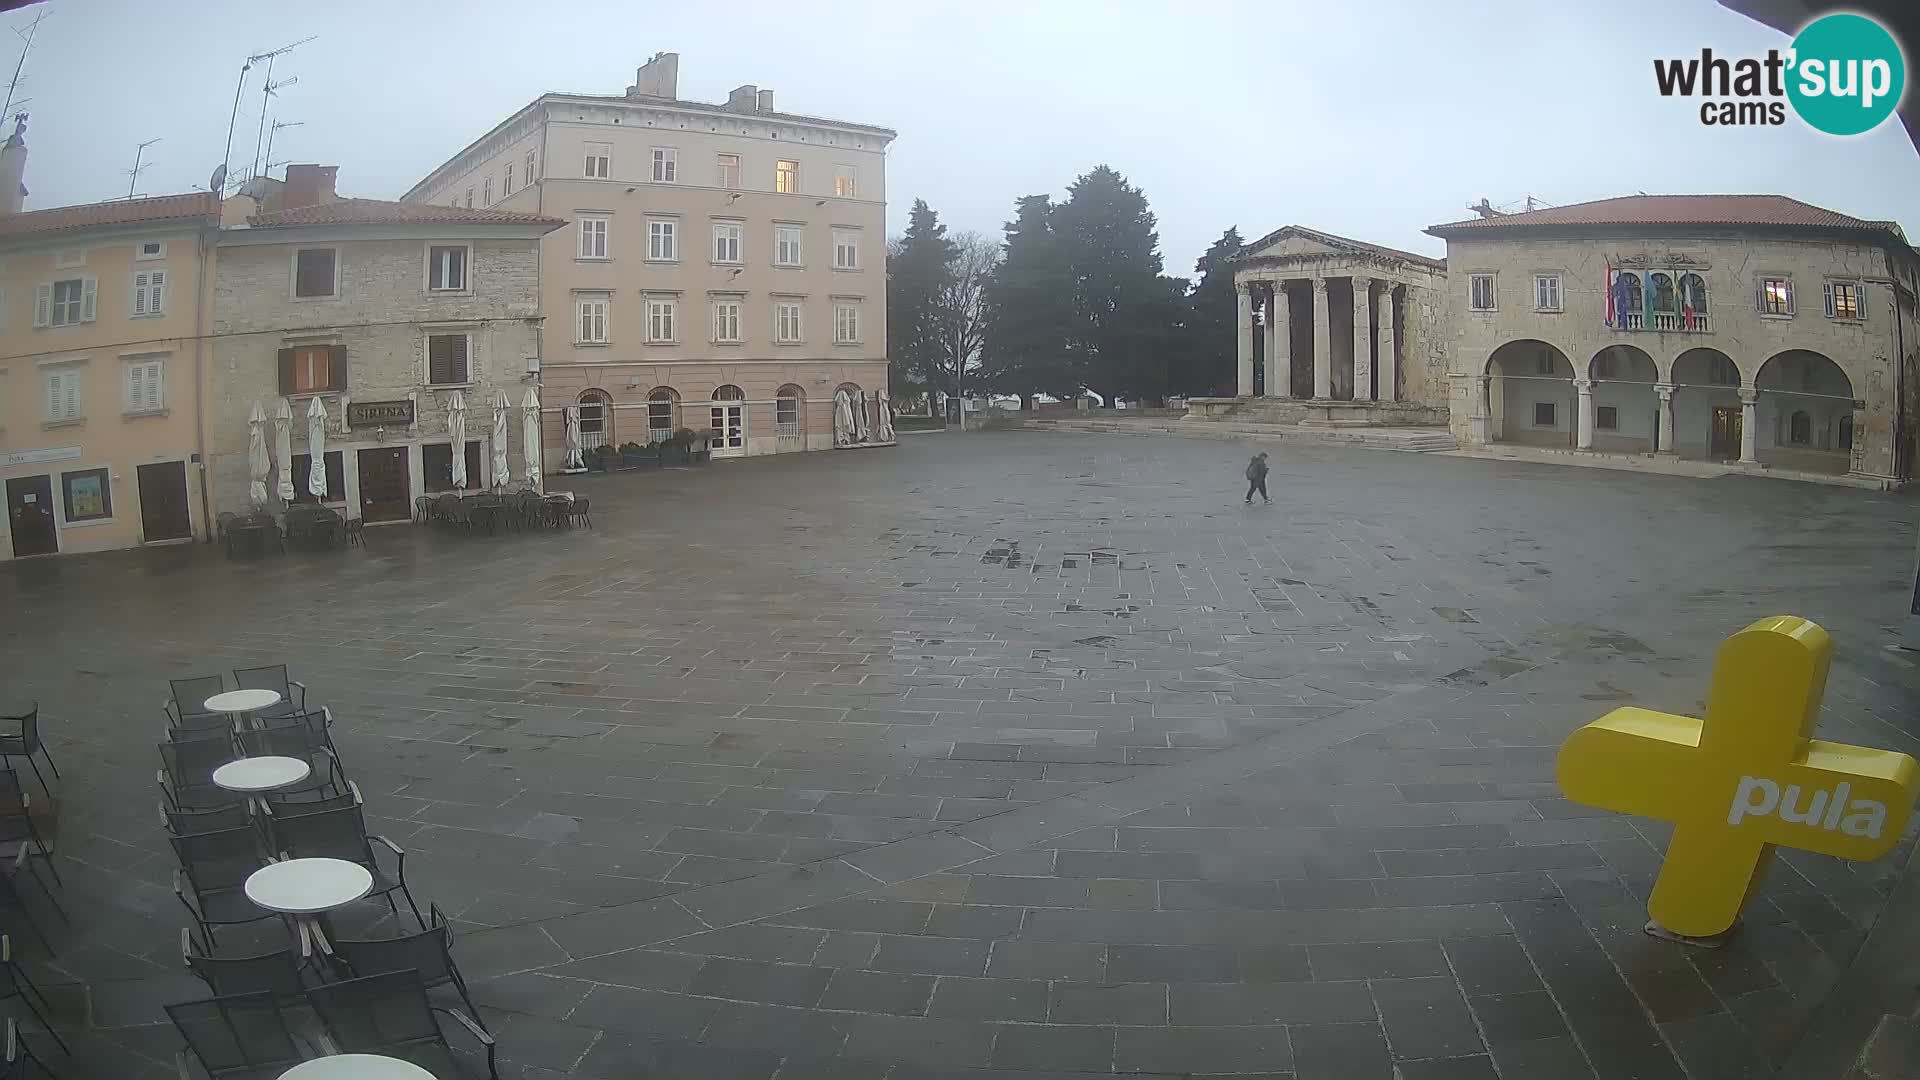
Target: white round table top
261 773
238 701
356 1067
306 886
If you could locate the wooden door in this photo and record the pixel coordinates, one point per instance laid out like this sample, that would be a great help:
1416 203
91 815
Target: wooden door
384 485
1724 440
30 515
163 502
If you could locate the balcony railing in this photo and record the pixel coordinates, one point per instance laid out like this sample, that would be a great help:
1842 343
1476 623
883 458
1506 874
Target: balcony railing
1664 322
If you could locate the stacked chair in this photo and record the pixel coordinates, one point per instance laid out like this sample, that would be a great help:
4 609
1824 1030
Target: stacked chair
26 865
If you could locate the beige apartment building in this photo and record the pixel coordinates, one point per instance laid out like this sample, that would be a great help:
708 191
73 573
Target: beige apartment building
102 311
723 267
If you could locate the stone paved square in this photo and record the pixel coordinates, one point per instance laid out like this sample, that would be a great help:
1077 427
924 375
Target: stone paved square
1011 754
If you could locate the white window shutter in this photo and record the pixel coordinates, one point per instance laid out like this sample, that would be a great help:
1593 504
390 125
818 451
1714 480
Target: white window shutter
89 291
42 305
136 386
139 294
157 291
1860 300
53 396
1829 293
1789 284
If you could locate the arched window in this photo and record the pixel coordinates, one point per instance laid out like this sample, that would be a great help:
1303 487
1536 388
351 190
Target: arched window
1693 294
1663 296
1846 432
596 419
1627 306
1800 428
662 408
729 392
789 405
729 434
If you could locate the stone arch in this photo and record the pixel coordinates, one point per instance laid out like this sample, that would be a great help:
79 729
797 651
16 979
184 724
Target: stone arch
1803 412
1530 394
1707 387
1626 408
790 412
663 413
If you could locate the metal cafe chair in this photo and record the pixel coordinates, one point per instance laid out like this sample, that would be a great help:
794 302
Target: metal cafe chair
276 973
342 834
11 873
293 694
21 1063
15 983
24 741
18 834
429 952
194 822
187 707
389 1014
242 1036
186 771
214 867
296 741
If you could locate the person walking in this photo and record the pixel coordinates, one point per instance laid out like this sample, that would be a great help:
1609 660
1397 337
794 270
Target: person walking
1257 478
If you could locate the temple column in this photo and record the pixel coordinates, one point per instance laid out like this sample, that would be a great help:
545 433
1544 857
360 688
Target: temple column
1749 422
1322 358
1245 295
1362 339
1389 362
1664 422
1280 344
1583 424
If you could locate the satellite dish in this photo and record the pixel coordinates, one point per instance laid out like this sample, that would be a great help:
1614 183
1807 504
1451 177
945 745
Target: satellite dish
219 179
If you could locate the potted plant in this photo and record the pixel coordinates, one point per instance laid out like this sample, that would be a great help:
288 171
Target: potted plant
630 455
600 458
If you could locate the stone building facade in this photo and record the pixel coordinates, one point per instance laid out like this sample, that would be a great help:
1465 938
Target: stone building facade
724 267
385 314
1340 330
1753 329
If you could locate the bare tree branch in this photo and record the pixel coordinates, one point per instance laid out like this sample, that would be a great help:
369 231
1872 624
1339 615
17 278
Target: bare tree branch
962 309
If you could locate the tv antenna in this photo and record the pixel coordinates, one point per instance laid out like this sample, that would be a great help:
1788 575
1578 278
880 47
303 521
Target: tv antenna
267 90
13 84
271 132
133 174
226 157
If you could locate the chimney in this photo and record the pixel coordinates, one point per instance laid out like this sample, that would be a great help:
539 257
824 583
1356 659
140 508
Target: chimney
763 101
308 185
658 77
744 99
13 168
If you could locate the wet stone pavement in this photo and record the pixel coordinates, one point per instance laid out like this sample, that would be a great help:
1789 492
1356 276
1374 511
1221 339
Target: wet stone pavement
1007 755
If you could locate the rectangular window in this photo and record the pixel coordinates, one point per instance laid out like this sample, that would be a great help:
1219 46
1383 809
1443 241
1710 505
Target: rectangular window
312 369
87 494
1543 414
313 272
846 323
486 192
666 165
64 303
593 238
1776 296
1480 292
662 240
531 176
727 166
146 386
447 359
436 462
1546 292
1606 418
846 181
447 268
152 249
726 320
149 292
469 198
786 245
63 395
846 249
660 328
335 468
599 161
1844 300
726 241
592 317
506 181
786 176
786 322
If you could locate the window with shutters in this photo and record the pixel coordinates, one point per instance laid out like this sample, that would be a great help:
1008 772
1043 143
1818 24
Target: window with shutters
314 273
846 249
599 161
727 166
590 314
726 321
447 359
846 181
1546 292
786 245
88 495
67 302
786 176
663 241
1480 292
593 238
63 395
726 241
846 324
1844 300
786 322
149 292
447 267
312 369
1776 296
146 391
666 165
660 322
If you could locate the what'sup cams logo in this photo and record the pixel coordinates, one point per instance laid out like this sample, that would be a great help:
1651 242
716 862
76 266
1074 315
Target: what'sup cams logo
1843 74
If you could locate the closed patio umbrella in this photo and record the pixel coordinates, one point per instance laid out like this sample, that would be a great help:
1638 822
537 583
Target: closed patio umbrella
283 448
843 428
862 421
257 464
883 409
457 432
501 407
530 435
317 448
576 459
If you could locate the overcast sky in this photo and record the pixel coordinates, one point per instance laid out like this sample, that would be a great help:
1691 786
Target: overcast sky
1372 120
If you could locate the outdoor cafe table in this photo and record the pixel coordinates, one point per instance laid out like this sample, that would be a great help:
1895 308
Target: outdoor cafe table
238 703
252 776
356 1067
308 889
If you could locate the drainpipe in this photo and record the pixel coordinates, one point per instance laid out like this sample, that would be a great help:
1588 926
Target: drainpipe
207 248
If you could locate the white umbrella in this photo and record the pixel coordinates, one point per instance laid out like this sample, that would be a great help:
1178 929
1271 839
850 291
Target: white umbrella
885 410
257 463
842 417
457 432
862 423
317 448
501 407
530 435
575 458
283 447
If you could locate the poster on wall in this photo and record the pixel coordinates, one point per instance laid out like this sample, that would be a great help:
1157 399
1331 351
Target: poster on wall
88 497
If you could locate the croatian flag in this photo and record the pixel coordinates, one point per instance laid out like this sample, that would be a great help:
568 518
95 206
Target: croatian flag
1612 274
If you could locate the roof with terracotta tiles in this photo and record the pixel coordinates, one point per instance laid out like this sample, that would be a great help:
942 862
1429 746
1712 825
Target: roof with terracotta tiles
120 212
385 212
1750 211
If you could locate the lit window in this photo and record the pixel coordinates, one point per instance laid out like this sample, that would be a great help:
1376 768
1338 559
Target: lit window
593 238
146 386
599 161
726 241
64 303
446 268
846 323
149 292
314 272
1546 292
1480 292
307 370
447 359
63 396
1776 296
660 321
786 176
726 320
786 323
1843 300
786 245
846 181
846 249
666 165
592 312
662 240
728 167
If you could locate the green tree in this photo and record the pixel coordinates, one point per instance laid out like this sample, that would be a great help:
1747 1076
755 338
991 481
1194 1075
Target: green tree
1026 348
1212 342
919 269
1120 306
